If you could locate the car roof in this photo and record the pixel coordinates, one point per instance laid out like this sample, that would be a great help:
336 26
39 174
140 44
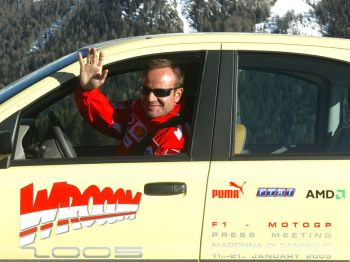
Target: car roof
165 39
229 37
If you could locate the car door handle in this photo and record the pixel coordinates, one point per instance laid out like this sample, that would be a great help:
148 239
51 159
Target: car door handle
165 188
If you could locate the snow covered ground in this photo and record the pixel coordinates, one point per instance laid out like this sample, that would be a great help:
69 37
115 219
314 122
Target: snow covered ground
304 22
182 7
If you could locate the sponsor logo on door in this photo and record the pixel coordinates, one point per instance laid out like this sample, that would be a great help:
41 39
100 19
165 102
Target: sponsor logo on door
326 194
65 207
275 192
237 192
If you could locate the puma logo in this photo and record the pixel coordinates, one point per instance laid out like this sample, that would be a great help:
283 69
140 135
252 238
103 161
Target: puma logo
237 186
228 193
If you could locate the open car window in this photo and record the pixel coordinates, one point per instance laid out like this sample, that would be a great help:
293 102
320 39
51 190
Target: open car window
35 136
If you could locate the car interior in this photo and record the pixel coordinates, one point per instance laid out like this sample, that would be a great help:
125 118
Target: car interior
292 104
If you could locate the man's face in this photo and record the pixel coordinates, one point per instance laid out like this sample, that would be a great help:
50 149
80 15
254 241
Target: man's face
161 78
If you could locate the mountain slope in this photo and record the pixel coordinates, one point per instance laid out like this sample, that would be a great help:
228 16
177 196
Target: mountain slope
284 16
52 29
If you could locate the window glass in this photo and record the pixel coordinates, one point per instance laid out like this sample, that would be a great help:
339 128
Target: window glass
291 104
277 110
346 108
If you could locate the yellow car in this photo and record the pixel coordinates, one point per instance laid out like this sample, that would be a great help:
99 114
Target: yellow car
266 174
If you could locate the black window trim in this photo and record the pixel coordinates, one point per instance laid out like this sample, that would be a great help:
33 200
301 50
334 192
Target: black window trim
224 121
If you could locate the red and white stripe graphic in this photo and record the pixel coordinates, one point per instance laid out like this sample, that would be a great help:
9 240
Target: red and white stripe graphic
66 207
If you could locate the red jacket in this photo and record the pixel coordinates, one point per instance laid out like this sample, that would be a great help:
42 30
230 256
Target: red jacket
127 121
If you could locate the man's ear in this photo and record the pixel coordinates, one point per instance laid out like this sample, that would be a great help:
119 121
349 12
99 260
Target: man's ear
178 94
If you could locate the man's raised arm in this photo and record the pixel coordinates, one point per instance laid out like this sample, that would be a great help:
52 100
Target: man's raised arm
91 74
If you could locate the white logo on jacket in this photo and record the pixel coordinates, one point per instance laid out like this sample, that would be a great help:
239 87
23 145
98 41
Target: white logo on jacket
178 132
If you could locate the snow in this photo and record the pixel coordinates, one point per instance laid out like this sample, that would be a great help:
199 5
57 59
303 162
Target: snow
281 7
304 19
182 8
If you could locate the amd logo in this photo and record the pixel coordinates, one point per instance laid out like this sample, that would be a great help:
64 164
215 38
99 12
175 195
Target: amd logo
326 194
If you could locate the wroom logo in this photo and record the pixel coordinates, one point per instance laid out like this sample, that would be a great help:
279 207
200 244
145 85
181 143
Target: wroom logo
326 194
66 206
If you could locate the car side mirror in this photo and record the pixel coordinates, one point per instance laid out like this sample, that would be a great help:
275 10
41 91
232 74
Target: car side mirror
6 147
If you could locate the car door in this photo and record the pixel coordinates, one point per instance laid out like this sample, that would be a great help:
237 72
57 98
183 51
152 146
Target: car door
280 190
108 207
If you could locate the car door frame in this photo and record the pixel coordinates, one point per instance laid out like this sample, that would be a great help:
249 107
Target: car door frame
224 132
223 143
200 153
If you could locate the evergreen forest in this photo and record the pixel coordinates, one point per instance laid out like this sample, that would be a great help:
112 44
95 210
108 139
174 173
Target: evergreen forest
35 33
56 28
